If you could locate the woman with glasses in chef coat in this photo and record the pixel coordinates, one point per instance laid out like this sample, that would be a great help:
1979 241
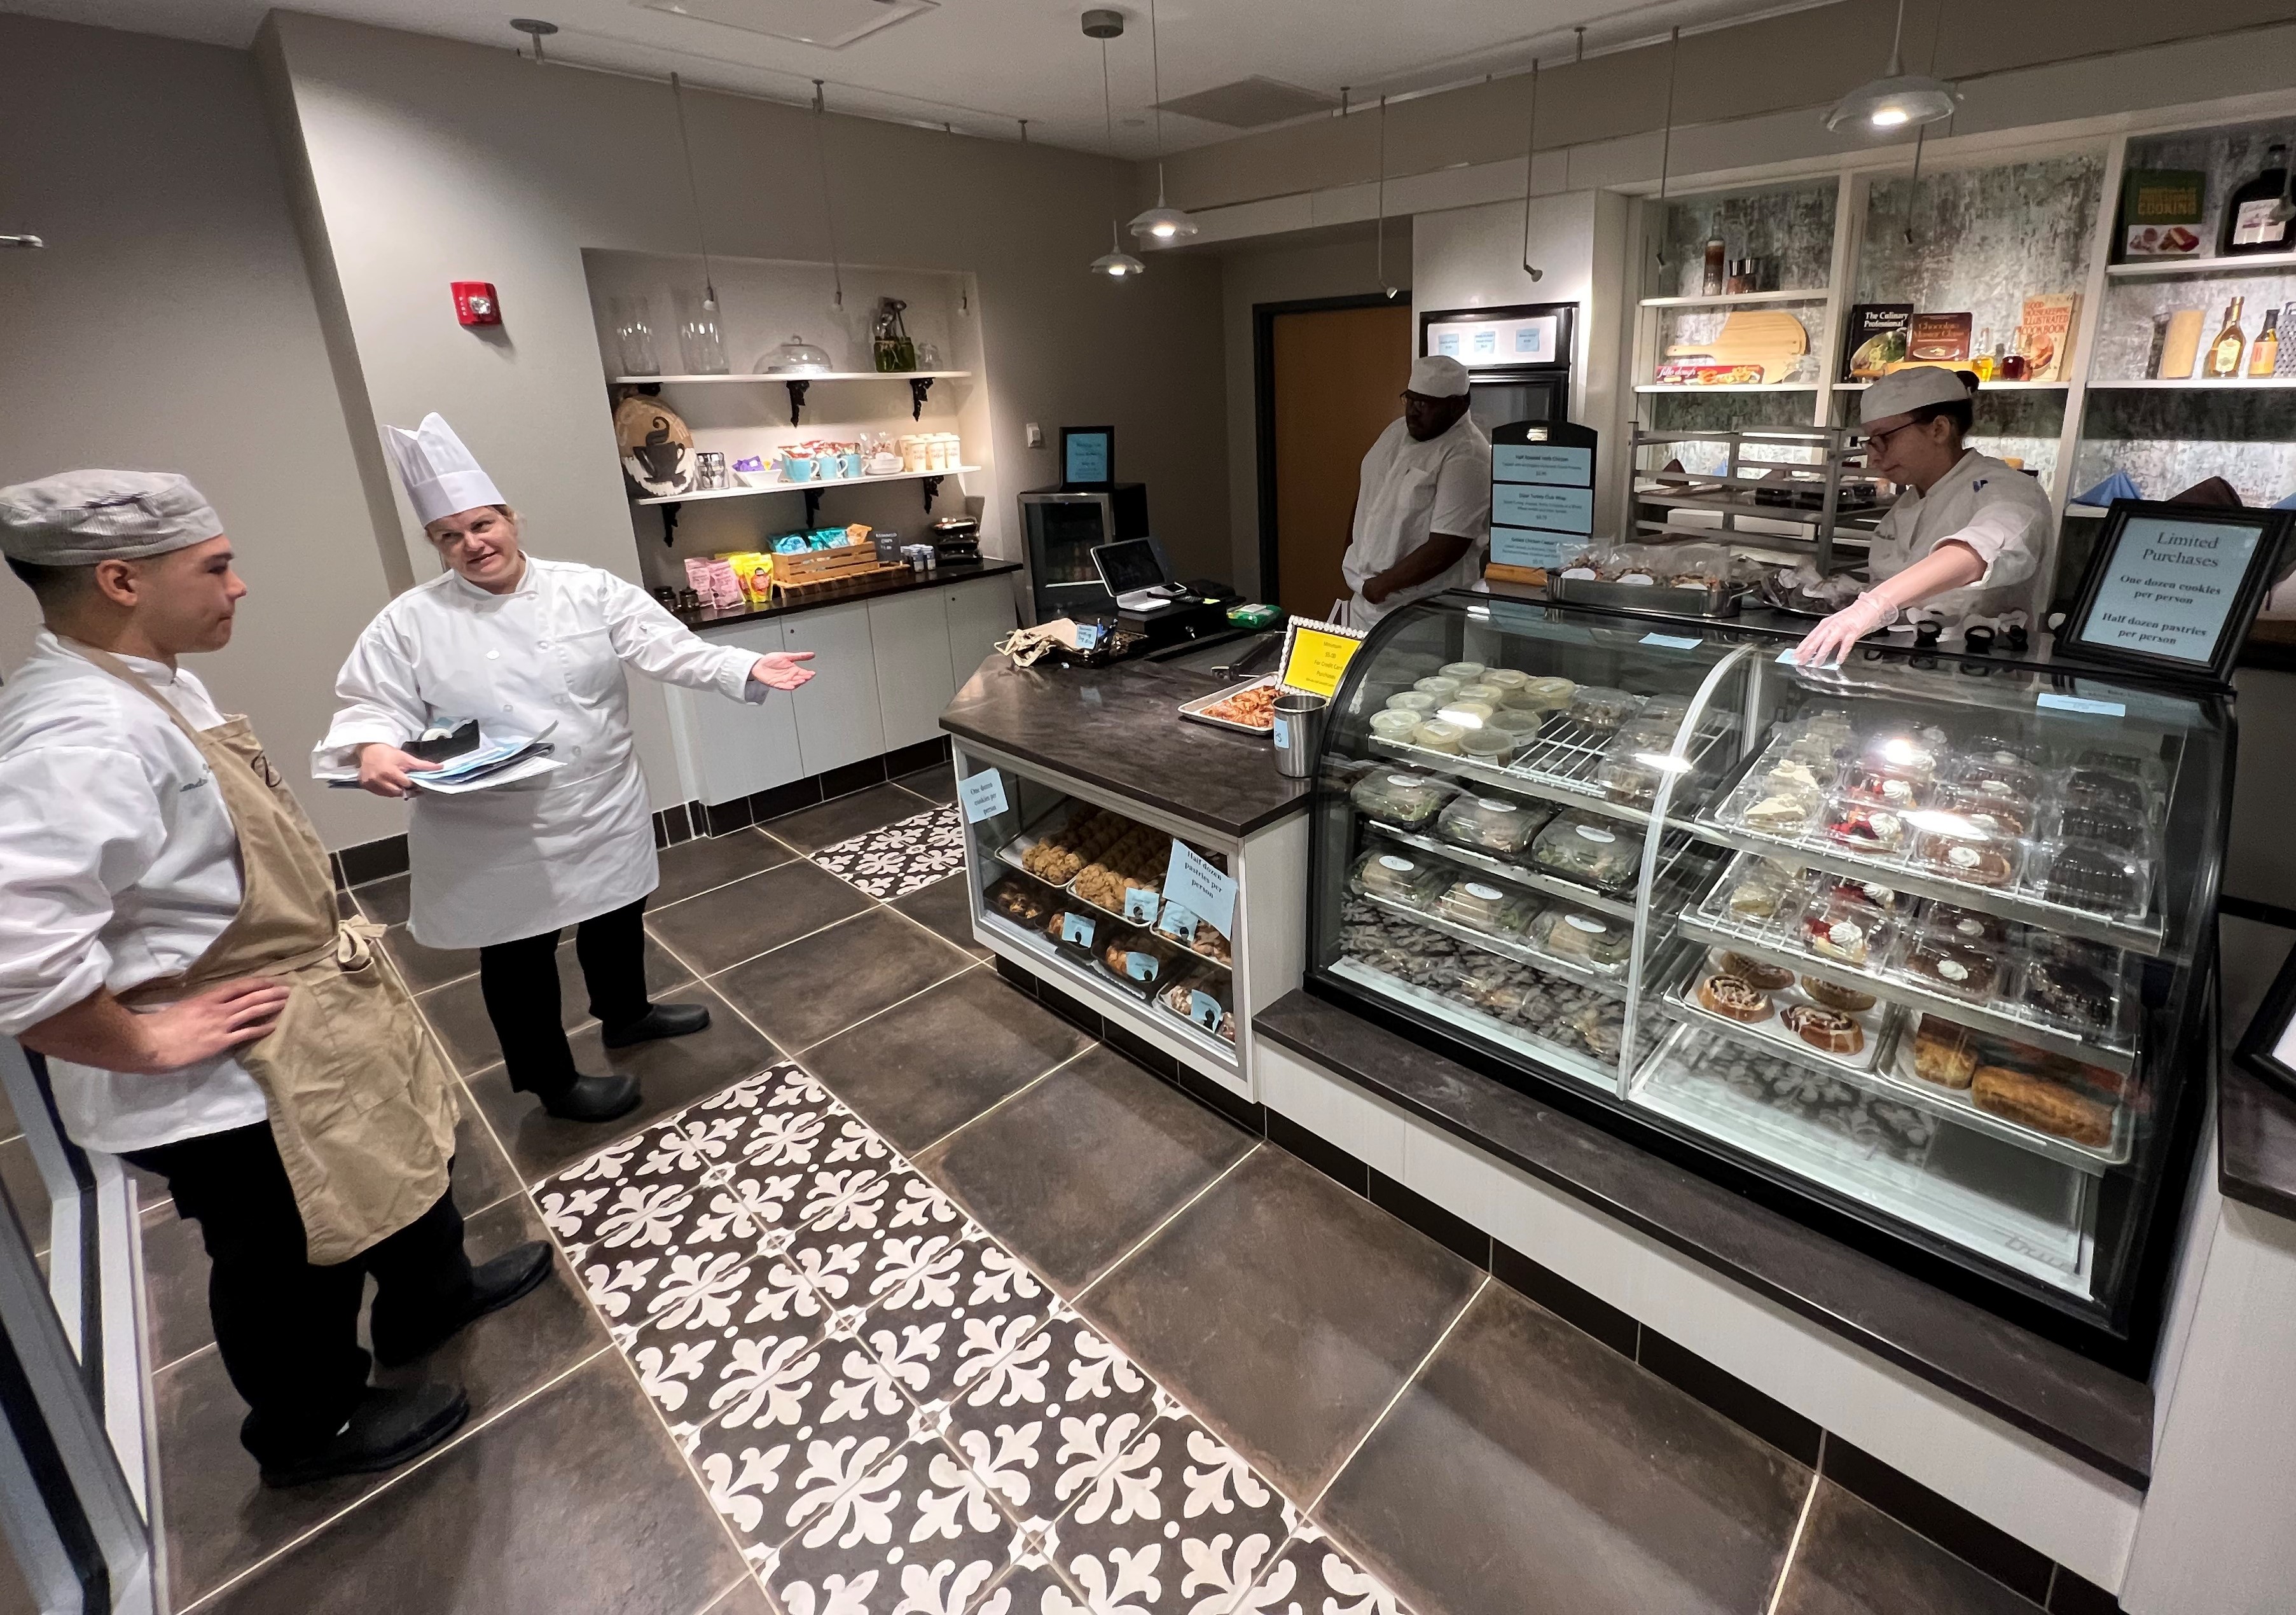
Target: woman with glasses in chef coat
524 644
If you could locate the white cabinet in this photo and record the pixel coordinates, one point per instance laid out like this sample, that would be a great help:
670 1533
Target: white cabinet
910 635
837 717
980 614
735 748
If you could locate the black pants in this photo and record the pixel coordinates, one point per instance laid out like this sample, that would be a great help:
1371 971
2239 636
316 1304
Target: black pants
520 980
288 1331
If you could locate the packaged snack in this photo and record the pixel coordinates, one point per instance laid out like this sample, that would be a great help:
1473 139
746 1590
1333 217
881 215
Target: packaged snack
2107 826
1485 694
1586 847
753 571
1863 782
2104 787
1412 700
1483 904
1967 925
2101 879
1791 773
1667 710
1399 877
1439 687
1392 724
1785 810
1623 779
1593 941
1491 823
724 589
1602 1026
1506 679
2071 992
1644 733
1465 672
1597 707
1520 721
1870 896
1405 799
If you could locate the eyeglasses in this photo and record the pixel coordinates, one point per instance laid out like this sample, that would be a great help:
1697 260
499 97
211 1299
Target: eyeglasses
1879 440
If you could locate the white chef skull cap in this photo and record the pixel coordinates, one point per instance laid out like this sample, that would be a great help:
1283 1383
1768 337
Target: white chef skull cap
441 478
1903 391
1437 377
81 517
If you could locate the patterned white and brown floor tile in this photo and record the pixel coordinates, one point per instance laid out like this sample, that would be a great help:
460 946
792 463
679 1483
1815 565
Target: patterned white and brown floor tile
901 858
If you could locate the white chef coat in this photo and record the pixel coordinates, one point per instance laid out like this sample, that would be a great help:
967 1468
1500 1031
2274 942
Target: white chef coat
562 847
1409 490
1988 504
117 864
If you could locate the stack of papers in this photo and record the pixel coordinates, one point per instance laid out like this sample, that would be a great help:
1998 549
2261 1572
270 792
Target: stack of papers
496 760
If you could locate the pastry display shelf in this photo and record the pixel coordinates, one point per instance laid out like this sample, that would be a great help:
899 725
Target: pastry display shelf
818 376
806 488
2194 384
1772 943
1969 1187
1013 852
2170 268
1557 765
1678 1001
1508 947
1681 867
1743 505
1098 990
1899 873
1555 1056
1736 300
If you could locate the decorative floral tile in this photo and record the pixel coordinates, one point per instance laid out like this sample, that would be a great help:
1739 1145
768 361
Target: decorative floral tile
1312 1576
901 858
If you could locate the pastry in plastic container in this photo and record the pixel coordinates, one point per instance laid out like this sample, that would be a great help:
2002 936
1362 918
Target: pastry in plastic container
1542 694
1520 721
2142 766
1601 1026
1969 925
1949 965
1467 714
1439 687
1491 823
1944 1052
2092 876
1586 847
1399 877
1901 755
1022 902
1477 689
2107 826
1862 827
1779 772
1394 725
1465 672
1871 896
1413 701
1644 733
1625 780
1596 941
1505 678
1964 849
1205 997
1140 959
1665 709
2105 787
2006 816
2071 992
1770 978
1484 905
1787 809
1766 890
1404 798
1995 771
1598 708
1863 782
1857 934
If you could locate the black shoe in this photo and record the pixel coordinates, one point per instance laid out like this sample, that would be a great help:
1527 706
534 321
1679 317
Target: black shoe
494 1286
387 1428
593 1099
662 1020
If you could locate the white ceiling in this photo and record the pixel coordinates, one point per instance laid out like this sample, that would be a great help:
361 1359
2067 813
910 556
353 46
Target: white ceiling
981 65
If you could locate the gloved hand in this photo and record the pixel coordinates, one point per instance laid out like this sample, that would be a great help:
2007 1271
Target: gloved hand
1826 644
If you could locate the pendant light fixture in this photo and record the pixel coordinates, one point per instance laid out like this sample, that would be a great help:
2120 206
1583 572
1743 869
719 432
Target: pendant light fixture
1530 168
1897 100
1160 223
1115 263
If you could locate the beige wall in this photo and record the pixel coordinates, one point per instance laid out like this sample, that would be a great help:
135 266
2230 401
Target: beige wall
170 325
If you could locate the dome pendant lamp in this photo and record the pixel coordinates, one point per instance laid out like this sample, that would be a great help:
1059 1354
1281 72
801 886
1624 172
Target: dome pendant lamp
1115 263
1897 100
1160 223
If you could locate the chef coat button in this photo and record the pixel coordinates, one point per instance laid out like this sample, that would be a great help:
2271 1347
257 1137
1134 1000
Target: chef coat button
543 644
494 656
578 750
505 705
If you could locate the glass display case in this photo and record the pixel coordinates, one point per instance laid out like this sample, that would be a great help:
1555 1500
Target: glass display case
1920 945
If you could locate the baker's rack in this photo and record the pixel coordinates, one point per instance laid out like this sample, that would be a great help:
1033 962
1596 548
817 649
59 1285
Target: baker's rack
1804 470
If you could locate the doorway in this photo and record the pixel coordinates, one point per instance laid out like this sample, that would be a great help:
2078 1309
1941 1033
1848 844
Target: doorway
1327 373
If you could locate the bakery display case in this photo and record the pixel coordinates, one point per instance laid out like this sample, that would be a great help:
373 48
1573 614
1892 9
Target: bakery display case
1917 948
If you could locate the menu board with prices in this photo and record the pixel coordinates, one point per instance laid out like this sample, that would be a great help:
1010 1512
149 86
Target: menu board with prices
1542 497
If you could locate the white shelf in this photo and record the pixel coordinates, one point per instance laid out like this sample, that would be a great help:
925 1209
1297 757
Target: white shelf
828 376
799 488
1731 300
1981 386
2252 263
1689 387
2198 384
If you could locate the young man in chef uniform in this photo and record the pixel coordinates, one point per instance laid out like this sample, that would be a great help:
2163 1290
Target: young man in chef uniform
1423 502
523 644
170 940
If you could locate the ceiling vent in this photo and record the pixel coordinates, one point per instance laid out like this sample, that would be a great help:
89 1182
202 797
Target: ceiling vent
827 23
1252 103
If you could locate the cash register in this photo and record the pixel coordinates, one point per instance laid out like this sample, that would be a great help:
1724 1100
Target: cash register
1150 602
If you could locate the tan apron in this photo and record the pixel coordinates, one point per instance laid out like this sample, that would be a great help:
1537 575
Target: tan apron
360 1100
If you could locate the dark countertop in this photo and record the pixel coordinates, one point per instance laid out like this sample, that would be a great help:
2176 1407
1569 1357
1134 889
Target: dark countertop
948 573
2256 1142
1116 726
2080 1408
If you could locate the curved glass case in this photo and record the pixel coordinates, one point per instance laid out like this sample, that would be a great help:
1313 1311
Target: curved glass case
1923 942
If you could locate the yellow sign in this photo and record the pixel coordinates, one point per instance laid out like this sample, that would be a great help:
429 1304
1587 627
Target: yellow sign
1316 656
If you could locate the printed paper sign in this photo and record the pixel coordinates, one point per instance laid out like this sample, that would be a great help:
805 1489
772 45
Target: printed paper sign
1076 929
983 795
1204 1009
1673 642
1561 510
2170 587
1202 890
1140 905
1316 656
1548 462
2078 703
1527 546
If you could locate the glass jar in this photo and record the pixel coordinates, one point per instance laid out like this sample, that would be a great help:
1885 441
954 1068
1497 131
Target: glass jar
634 337
698 336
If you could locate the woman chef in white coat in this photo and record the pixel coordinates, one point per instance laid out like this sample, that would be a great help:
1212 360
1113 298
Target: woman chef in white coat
1965 538
520 644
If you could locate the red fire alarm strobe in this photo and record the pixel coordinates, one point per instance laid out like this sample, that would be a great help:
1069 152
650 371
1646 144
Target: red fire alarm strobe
475 303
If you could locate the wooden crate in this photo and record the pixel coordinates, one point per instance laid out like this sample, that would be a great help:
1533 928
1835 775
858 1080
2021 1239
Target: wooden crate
824 569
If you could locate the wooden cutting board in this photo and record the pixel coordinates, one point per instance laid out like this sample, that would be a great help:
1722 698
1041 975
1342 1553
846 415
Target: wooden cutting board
1770 338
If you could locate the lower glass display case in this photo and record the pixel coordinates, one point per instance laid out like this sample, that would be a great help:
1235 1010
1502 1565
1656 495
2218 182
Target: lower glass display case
1920 945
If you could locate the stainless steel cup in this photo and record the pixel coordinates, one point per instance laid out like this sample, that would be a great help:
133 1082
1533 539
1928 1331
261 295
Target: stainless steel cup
1299 734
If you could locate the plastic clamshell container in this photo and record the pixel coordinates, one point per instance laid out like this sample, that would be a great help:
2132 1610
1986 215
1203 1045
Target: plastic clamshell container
1399 877
1598 708
1595 942
1837 927
1491 823
1599 851
2093 876
1404 798
1483 904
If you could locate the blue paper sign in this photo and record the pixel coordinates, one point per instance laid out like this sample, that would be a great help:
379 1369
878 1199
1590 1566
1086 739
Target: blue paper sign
1177 923
1527 546
1672 641
1140 967
1547 462
1202 890
1282 733
1140 905
1076 929
983 795
2078 703
1447 344
1205 1011
1559 510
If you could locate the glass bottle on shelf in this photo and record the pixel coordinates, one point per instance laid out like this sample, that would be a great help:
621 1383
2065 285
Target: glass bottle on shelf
1710 284
2257 215
2264 354
2013 365
2229 346
1983 361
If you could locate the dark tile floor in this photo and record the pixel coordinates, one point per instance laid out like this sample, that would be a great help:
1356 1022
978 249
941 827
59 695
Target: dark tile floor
903 1296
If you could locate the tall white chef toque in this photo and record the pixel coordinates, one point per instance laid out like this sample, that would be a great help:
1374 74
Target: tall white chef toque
81 517
1438 376
440 475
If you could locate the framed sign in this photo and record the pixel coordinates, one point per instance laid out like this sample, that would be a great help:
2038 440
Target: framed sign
2172 588
1542 497
1316 656
2267 1048
1087 458
1512 337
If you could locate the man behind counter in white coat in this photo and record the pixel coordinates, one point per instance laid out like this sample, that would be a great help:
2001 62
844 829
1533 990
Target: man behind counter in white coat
521 644
170 940
1424 505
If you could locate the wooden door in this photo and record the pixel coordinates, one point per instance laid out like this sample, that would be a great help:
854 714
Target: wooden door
1336 374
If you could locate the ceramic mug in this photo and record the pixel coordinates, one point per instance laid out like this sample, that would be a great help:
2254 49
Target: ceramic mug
798 468
850 462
